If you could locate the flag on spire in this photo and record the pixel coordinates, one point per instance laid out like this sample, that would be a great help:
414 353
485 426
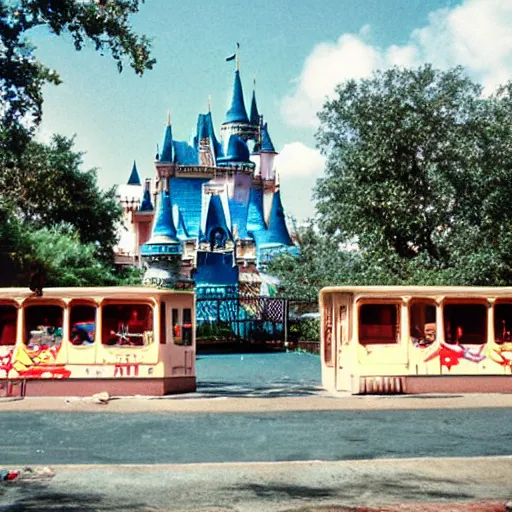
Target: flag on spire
234 56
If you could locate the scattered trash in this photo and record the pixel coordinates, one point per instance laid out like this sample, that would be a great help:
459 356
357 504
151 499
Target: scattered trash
27 473
101 398
8 476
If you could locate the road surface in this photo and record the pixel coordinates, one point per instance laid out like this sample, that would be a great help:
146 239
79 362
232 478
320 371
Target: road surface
178 438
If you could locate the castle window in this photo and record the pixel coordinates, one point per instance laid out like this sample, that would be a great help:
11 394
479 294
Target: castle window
218 239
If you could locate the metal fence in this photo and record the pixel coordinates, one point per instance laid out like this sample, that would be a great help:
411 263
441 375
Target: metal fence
251 318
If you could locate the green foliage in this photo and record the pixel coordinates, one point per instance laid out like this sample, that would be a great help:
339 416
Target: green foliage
61 258
307 329
319 264
214 331
104 23
418 174
53 216
45 186
65 260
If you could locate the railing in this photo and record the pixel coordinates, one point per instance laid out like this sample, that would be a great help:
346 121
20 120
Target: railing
248 318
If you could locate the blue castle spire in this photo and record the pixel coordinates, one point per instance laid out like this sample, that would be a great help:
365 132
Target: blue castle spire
216 221
277 232
237 112
134 178
255 115
205 130
255 218
182 232
146 205
164 237
236 152
266 142
167 149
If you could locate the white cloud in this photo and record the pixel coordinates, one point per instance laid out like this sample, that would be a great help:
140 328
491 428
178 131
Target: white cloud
329 64
476 34
298 160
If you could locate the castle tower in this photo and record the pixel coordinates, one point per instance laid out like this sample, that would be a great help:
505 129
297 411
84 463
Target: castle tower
267 155
164 161
213 212
237 122
129 197
162 252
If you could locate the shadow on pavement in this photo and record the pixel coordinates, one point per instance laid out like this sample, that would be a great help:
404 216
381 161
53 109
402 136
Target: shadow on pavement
401 488
272 390
36 497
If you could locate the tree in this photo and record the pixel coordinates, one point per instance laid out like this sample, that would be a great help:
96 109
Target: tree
418 172
320 263
104 23
45 186
66 261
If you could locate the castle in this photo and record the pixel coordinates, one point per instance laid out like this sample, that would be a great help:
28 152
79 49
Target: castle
212 217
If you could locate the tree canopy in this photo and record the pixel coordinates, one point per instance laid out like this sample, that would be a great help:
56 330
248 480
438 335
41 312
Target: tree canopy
103 23
418 175
53 216
45 186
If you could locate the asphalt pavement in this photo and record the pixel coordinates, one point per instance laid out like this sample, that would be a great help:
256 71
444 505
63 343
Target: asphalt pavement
178 438
263 487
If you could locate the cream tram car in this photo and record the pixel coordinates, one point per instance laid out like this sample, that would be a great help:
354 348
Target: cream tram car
80 341
380 340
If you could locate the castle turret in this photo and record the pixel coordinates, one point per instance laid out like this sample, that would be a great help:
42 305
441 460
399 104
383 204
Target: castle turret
165 159
255 217
277 232
237 122
255 115
236 153
162 252
255 120
134 178
217 232
146 205
206 143
267 155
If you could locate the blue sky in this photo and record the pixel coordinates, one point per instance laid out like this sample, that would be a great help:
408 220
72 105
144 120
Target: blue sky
298 51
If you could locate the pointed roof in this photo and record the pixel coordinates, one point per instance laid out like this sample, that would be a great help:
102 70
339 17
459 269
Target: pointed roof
266 142
164 225
183 233
255 115
255 218
134 178
215 217
167 149
163 237
277 232
205 130
237 151
146 205
237 112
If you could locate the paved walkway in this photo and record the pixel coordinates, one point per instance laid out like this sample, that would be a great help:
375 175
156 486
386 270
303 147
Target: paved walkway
222 401
405 485
438 484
